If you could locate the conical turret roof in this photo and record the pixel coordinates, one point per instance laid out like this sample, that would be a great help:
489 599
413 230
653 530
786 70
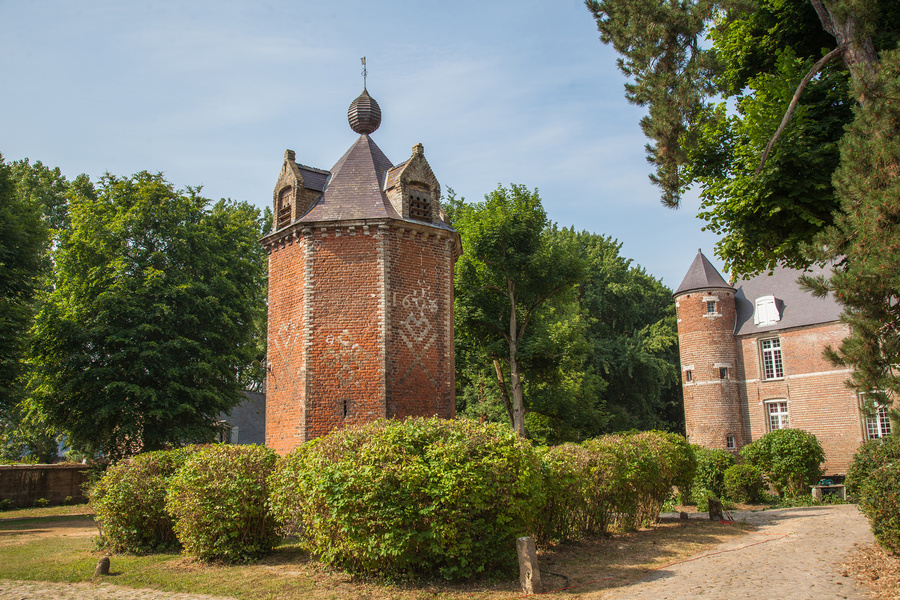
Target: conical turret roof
353 189
702 275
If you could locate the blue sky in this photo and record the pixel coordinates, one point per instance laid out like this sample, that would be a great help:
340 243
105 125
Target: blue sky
212 93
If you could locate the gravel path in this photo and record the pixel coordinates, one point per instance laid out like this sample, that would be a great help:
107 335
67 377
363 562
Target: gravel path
45 590
795 553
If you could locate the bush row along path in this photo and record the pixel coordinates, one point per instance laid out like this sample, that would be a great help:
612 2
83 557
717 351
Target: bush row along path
792 554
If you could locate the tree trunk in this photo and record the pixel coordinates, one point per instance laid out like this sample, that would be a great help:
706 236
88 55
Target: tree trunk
518 406
859 51
504 393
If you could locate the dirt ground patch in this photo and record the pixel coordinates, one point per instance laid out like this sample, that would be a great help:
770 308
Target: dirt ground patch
876 569
23 531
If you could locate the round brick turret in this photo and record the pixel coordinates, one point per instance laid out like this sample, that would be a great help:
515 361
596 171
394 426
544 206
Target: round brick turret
710 369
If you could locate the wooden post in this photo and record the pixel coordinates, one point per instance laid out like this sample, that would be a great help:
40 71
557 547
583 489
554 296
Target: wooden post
529 572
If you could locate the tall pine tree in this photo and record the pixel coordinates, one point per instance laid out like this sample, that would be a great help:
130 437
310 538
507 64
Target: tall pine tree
865 238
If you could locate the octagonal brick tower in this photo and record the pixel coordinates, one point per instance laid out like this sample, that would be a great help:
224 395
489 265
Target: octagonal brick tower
710 368
361 261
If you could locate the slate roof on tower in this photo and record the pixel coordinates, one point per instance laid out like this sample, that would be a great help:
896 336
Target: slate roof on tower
701 276
353 189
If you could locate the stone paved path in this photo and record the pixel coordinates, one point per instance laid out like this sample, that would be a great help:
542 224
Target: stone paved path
795 553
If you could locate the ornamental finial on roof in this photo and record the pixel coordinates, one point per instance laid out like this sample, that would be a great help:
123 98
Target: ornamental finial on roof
364 113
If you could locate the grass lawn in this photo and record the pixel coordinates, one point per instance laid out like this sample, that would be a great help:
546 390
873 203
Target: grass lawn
58 544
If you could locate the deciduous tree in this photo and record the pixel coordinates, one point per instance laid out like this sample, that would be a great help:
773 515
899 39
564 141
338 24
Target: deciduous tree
510 268
722 80
143 338
23 238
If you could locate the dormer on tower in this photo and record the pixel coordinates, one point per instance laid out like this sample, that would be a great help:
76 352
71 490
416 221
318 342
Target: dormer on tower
413 189
296 191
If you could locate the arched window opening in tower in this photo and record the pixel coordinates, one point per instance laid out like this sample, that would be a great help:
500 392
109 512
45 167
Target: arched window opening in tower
283 218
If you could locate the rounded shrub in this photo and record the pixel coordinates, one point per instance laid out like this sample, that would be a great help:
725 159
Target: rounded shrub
639 471
743 483
879 500
790 458
578 492
565 487
870 456
218 501
412 497
129 502
709 477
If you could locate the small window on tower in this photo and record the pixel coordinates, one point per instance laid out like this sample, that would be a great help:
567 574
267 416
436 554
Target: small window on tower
710 307
729 442
283 216
688 375
723 372
420 205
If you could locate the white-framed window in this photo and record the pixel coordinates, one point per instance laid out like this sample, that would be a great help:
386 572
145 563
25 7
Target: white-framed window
710 307
766 312
729 442
773 366
777 413
878 424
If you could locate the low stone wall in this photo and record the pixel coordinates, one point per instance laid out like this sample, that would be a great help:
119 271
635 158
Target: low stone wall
23 484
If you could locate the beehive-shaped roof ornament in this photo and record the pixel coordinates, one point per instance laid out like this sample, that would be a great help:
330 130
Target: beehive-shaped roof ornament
364 114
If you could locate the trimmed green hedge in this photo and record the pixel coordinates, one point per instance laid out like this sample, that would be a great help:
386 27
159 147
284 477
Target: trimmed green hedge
744 483
218 500
709 478
790 458
615 480
413 497
880 502
870 456
129 502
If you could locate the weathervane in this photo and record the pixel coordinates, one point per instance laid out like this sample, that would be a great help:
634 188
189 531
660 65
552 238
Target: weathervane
363 59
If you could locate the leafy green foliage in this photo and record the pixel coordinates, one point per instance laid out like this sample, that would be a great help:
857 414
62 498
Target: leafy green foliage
640 471
218 500
716 77
130 502
579 492
864 241
153 316
870 456
511 267
709 478
41 193
420 496
765 220
23 236
600 356
632 337
880 502
790 458
743 483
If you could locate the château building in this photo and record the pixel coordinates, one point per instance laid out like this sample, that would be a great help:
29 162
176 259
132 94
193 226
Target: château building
752 361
